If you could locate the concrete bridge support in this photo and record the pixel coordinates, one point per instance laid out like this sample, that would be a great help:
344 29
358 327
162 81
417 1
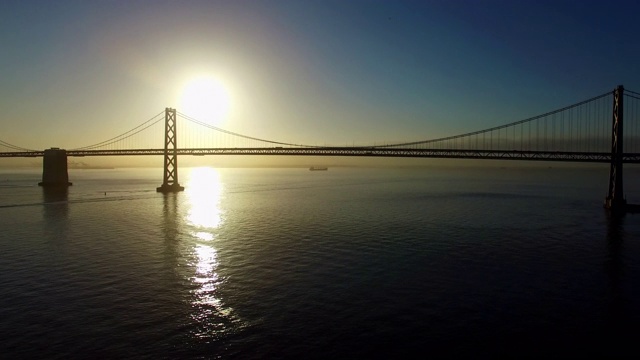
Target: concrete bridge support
54 169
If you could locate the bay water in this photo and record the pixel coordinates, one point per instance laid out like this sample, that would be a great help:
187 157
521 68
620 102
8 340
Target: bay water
297 264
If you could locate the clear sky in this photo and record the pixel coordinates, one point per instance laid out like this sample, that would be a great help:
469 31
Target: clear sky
74 73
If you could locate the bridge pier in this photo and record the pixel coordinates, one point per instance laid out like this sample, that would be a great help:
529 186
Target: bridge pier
54 169
170 180
615 201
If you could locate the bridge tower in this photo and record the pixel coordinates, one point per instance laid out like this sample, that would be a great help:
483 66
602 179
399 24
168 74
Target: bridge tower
170 181
615 200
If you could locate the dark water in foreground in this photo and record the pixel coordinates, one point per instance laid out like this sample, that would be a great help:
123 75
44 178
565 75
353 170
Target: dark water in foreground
288 263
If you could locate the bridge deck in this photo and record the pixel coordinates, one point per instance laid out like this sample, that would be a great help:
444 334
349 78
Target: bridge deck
594 157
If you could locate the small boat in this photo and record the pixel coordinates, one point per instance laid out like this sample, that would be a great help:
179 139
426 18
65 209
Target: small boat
318 168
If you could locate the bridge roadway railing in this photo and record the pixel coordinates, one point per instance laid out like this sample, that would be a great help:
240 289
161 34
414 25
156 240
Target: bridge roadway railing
21 154
597 157
593 157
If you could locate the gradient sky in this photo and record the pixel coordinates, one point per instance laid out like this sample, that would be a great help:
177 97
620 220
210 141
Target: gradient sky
74 73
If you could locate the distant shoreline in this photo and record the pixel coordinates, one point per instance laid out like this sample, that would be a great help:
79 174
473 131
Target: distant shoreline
91 167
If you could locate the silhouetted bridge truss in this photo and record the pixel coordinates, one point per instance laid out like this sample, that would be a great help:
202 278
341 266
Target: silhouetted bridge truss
588 131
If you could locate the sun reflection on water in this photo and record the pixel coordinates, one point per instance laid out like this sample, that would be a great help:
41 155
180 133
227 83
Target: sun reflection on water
204 191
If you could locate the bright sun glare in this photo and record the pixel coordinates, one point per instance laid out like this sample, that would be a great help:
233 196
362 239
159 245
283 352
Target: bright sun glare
205 99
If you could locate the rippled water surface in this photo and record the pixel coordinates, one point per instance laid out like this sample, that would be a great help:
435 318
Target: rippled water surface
289 263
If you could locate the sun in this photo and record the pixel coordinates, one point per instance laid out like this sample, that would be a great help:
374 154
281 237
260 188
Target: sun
205 99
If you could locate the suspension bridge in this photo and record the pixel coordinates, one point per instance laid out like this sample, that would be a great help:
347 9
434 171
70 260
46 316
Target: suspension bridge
588 131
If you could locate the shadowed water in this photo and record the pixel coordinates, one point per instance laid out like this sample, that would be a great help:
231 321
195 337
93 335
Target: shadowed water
288 263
